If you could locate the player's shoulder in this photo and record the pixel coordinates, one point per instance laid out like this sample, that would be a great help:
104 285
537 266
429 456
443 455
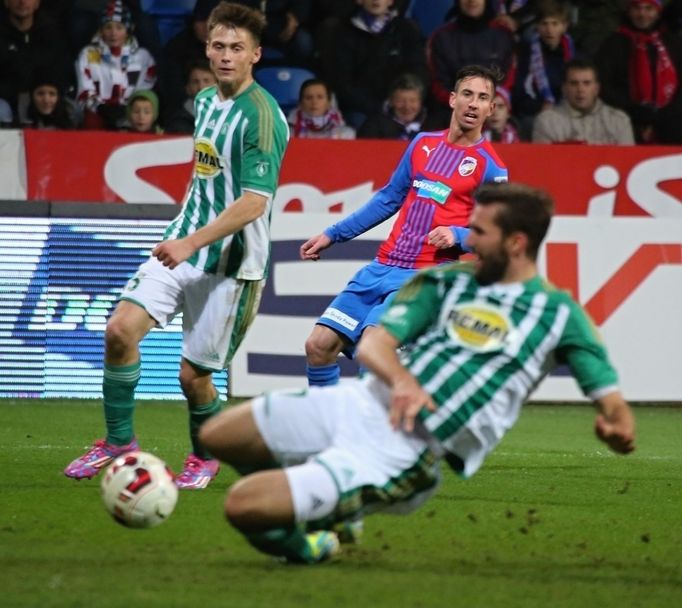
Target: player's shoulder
558 294
206 93
486 149
259 100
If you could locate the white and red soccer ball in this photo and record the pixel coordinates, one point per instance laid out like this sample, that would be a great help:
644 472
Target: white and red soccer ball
138 490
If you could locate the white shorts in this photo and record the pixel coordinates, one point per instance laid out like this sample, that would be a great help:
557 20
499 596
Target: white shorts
216 310
346 429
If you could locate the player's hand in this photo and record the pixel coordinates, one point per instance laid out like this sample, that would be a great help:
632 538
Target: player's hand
441 237
172 253
407 399
310 250
618 434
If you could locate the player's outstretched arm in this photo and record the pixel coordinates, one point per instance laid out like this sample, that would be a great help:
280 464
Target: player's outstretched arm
615 424
310 250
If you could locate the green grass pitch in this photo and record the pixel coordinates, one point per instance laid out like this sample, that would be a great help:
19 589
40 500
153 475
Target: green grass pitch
551 520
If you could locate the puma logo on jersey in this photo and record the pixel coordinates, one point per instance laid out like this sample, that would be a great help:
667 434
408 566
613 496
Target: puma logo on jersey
427 150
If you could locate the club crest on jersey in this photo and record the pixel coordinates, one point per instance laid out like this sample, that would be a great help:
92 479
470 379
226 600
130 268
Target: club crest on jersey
436 191
207 161
262 168
480 327
467 166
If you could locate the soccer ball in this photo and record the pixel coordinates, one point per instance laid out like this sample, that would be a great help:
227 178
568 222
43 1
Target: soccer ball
138 490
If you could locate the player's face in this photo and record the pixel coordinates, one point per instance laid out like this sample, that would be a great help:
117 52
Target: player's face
232 52
114 34
550 30
45 99
472 103
642 15
406 104
488 242
199 79
315 100
142 115
581 89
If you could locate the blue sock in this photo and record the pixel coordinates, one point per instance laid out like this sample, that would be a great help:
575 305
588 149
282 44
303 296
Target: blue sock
323 375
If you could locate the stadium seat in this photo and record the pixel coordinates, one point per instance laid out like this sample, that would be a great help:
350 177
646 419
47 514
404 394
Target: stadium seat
429 14
170 15
283 83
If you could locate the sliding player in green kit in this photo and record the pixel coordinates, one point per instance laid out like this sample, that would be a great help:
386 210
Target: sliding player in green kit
479 338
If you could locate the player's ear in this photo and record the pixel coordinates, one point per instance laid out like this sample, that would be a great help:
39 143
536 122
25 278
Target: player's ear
517 242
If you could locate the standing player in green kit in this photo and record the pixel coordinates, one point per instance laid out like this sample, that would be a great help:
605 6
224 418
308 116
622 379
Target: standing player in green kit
212 264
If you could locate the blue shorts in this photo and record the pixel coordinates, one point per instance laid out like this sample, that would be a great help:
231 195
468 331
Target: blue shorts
363 301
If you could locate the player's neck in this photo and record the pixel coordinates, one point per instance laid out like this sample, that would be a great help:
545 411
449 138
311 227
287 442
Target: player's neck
460 137
230 90
520 270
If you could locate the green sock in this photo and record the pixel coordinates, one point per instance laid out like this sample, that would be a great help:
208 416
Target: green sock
197 416
289 543
118 388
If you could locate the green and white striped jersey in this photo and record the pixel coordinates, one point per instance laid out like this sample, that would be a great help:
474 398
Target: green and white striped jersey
481 350
238 145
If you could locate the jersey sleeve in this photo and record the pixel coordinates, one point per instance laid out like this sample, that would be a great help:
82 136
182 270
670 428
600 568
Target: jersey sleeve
380 207
582 349
264 141
415 307
494 170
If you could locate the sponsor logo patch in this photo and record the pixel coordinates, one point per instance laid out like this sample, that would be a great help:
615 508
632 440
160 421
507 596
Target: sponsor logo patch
207 161
480 327
436 191
334 314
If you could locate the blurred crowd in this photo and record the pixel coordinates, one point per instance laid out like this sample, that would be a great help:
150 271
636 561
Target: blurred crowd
592 71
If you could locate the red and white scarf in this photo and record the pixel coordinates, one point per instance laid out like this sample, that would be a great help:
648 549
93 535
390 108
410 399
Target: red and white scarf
654 85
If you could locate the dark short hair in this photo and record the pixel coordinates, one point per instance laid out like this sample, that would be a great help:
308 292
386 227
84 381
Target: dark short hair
524 209
408 82
580 63
238 15
311 82
492 74
546 9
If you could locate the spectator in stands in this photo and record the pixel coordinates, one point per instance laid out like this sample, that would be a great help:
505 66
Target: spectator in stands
582 117
641 68
84 18
404 113
593 21
142 112
541 63
516 15
370 51
48 108
500 127
200 77
184 50
317 116
286 31
28 43
111 68
6 116
471 37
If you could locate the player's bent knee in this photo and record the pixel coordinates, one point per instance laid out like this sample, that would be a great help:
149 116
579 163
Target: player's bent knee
322 346
117 336
243 508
